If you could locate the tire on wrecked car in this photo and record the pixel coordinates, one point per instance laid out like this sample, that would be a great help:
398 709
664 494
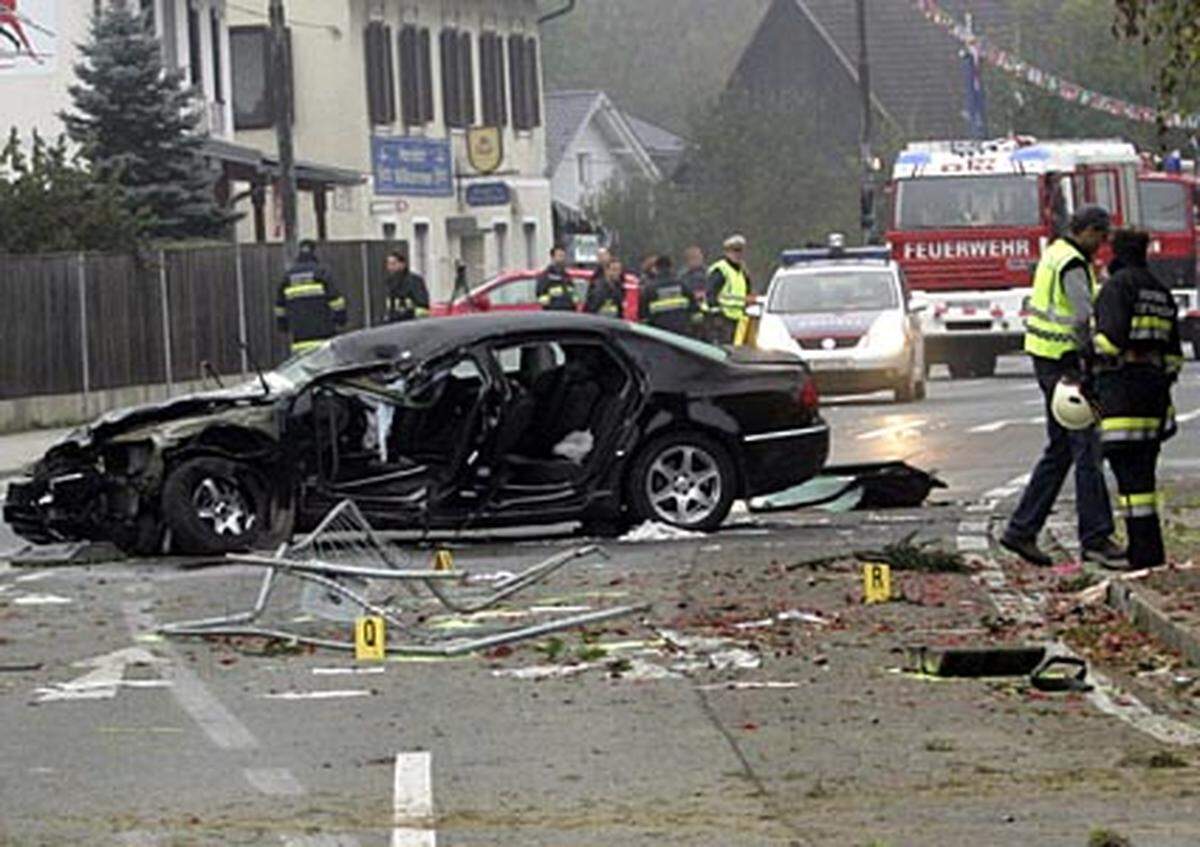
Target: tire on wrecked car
204 491
638 482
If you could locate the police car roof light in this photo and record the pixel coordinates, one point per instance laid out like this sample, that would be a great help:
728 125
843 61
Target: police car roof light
879 253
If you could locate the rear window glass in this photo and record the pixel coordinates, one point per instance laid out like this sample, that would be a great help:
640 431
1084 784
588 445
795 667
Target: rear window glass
1164 206
691 345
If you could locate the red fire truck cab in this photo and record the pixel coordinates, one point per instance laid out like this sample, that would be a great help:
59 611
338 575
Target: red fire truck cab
970 219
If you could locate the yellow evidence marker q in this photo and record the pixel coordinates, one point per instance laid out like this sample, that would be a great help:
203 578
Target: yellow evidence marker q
877 583
369 638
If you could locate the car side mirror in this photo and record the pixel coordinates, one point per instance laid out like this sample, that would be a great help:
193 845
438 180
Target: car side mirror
754 310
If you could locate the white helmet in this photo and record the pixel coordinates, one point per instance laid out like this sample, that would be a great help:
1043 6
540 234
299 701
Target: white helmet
1069 407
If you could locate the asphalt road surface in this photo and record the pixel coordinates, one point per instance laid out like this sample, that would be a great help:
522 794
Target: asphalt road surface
789 726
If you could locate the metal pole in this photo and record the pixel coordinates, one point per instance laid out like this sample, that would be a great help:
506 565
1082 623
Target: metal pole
283 126
243 332
168 358
864 140
81 278
366 284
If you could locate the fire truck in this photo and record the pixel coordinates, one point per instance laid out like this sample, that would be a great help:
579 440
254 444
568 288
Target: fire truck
1170 199
969 220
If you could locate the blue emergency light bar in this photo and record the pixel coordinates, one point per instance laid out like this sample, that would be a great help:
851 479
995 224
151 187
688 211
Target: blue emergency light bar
879 253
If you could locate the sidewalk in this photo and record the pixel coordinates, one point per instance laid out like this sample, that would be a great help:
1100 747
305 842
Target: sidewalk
20 449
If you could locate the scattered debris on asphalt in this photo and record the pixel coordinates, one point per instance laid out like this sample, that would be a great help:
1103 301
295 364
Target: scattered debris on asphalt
976 661
654 531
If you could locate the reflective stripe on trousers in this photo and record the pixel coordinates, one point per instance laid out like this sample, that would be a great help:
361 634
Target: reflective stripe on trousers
1137 505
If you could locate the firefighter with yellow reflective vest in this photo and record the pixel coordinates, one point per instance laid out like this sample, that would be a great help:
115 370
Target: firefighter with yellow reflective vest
666 302
309 306
1056 331
1138 357
555 288
728 288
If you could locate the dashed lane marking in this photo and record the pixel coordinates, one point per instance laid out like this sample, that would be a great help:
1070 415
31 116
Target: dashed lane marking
274 782
412 801
904 428
996 426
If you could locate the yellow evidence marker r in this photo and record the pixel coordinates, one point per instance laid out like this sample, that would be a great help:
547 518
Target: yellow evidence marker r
877 583
369 639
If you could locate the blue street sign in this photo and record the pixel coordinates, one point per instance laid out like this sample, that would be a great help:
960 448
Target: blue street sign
421 167
488 194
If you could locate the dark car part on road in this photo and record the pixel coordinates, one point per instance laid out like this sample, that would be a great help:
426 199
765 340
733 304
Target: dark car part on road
1049 677
882 485
976 661
467 422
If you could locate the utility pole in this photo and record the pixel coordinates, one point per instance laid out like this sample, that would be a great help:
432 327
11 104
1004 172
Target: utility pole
282 98
867 188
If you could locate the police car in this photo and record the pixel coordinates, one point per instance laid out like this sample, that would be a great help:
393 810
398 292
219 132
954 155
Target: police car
849 311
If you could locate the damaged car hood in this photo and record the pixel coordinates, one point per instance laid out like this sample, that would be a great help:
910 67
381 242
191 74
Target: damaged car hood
201 404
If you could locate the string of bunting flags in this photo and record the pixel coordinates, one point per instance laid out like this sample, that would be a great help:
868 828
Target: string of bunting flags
1070 92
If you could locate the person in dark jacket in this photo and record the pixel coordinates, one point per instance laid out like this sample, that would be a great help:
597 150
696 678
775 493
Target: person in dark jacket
695 279
309 306
555 289
1138 356
606 296
407 295
666 302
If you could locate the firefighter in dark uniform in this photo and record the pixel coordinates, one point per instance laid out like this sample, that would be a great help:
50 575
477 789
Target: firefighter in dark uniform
1138 357
606 295
309 306
555 288
407 295
666 302
695 279
728 287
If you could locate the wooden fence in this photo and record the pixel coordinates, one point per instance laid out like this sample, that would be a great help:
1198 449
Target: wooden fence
72 324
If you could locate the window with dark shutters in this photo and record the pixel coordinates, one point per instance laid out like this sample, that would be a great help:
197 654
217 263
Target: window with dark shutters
492 79
381 79
523 82
416 78
466 79
458 79
254 83
451 84
218 82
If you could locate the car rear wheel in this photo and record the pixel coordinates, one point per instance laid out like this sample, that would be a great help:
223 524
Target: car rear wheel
683 479
215 505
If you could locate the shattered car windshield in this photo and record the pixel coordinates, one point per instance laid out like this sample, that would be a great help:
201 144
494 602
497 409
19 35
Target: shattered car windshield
304 366
844 291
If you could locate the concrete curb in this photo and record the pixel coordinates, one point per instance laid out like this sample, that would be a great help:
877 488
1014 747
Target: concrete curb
1144 608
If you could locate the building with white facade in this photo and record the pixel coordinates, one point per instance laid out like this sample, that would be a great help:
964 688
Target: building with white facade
384 94
390 89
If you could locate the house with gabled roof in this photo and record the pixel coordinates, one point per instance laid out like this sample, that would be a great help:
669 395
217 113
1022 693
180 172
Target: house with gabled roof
590 143
809 49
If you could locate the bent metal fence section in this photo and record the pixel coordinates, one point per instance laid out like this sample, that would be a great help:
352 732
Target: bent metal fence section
77 323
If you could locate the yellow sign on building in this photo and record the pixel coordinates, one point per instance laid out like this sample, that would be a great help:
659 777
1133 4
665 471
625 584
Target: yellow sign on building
485 148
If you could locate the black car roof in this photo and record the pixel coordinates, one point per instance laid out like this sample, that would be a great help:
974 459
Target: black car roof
423 337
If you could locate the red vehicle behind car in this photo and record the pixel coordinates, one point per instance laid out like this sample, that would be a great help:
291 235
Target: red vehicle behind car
516 291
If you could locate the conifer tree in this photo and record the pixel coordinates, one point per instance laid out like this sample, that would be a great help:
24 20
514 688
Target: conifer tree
135 122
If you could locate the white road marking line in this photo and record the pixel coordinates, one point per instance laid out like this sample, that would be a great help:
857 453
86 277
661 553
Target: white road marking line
1008 489
33 577
1187 416
41 600
274 782
319 840
318 695
217 722
996 426
893 429
101 682
971 543
412 801
352 671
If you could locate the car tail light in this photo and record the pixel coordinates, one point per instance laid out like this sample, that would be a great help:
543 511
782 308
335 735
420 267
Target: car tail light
940 309
1193 313
807 396
997 312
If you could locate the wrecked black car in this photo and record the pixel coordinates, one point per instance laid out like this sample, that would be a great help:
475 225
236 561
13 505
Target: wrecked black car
458 422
